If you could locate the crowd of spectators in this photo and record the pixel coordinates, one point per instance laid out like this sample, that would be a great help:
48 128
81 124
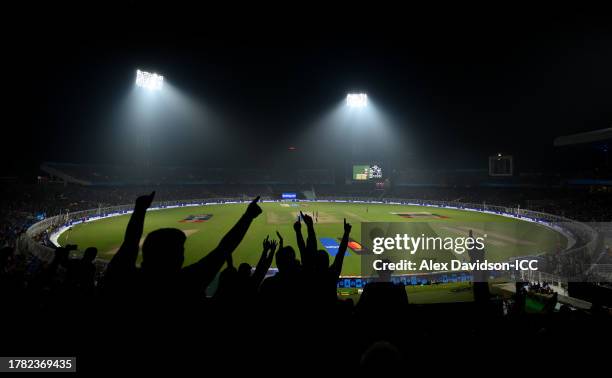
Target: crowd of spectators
158 309
579 204
167 175
23 204
540 288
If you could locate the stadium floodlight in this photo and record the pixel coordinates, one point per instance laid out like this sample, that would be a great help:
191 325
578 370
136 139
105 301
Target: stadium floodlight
357 100
149 81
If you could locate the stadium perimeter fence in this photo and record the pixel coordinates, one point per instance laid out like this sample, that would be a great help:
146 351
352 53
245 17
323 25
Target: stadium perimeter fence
582 239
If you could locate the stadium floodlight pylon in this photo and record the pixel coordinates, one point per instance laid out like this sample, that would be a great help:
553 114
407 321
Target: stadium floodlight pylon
357 100
149 81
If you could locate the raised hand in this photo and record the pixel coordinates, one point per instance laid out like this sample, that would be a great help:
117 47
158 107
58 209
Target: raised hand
273 245
267 253
347 227
269 257
270 245
253 210
266 243
307 219
336 267
297 226
144 202
265 261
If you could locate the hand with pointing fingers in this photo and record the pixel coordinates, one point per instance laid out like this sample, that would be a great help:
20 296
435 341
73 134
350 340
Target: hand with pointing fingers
297 226
347 227
253 210
144 202
307 219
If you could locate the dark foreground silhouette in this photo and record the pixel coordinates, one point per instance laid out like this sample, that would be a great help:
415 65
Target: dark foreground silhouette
156 316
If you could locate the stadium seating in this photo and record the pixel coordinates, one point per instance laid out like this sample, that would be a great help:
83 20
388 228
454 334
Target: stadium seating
59 289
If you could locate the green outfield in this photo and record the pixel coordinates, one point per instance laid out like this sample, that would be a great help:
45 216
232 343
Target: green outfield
206 225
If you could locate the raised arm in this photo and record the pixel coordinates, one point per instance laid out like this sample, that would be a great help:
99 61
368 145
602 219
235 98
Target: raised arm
126 256
265 261
205 270
336 267
281 243
297 227
230 261
311 242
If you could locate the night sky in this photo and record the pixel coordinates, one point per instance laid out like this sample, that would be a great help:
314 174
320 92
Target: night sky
457 87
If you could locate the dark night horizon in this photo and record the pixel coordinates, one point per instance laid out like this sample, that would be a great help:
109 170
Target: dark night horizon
446 90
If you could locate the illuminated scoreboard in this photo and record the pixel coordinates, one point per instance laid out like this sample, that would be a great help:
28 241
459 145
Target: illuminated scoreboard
367 172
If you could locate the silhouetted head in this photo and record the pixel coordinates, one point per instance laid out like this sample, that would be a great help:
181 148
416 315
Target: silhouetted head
163 251
90 254
227 279
285 259
244 270
321 260
62 255
384 275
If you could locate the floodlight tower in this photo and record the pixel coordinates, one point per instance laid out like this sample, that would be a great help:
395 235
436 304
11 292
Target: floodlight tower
149 82
356 100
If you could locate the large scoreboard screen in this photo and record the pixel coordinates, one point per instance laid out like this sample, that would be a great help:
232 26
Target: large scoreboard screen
365 172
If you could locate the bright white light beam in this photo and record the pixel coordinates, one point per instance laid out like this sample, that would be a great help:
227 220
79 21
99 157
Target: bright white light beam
357 100
149 81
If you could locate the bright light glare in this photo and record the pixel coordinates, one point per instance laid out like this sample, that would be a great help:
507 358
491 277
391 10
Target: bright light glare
357 100
150 81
